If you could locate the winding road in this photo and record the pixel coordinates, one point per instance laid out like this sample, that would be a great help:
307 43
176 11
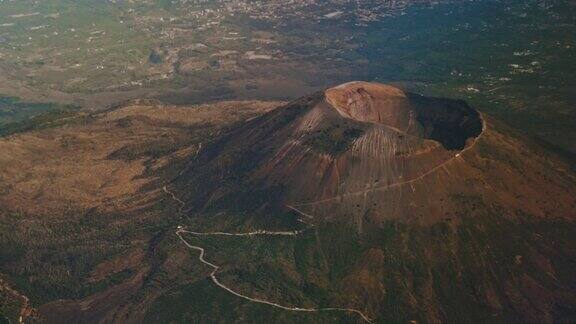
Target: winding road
215 268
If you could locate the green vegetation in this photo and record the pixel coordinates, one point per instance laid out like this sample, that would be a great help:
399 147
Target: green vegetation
67 265
202 302
49 119
260 267
463 270
9 308
64 42
14 111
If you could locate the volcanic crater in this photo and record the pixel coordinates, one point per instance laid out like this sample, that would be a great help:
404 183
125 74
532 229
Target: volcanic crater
449 122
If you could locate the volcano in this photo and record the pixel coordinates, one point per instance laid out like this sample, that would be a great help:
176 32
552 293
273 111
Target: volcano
423 208
364 153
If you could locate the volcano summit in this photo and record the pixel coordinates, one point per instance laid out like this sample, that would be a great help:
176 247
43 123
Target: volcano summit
364 153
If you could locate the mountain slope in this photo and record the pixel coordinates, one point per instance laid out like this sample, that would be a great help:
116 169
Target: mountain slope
423 208
367 152
390 205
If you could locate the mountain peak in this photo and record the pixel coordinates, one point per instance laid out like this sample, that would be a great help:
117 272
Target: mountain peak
449 122
371 102
371 87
